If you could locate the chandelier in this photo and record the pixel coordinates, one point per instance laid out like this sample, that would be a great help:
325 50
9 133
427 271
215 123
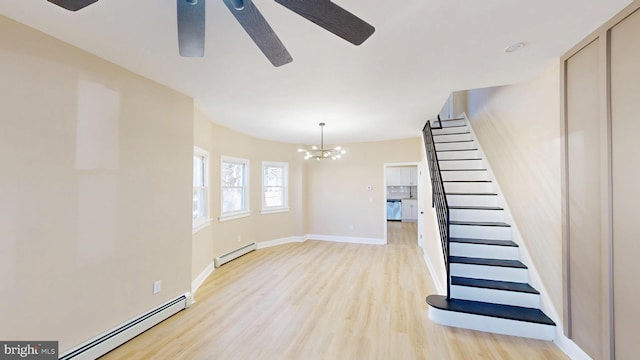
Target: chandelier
322 153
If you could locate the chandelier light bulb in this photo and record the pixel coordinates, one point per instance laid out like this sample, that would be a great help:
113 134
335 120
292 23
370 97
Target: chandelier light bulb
320 152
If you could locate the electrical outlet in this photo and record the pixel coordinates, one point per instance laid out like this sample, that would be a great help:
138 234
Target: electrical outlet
157 286
239 238
350 227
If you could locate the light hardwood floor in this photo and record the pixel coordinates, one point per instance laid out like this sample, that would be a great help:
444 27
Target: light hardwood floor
323 300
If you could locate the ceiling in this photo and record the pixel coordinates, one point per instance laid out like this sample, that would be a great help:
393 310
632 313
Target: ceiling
385 88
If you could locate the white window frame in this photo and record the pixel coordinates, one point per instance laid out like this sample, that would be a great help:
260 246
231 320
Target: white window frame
204 221
285 188
245 211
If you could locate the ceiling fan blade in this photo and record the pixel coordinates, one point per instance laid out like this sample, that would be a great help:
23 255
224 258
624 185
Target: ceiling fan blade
73 5
259 30
191 27
331 17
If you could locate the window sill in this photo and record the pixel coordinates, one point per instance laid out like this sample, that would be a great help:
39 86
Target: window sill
234 216
201 225
274 211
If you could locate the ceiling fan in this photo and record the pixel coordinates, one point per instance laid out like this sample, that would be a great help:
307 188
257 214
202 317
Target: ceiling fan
191 24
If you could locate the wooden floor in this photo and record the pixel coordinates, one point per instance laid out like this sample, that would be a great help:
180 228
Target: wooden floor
323 300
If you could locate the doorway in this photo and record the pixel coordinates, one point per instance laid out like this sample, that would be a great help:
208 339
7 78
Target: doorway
403 197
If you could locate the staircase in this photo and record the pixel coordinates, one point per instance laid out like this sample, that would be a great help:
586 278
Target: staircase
488 287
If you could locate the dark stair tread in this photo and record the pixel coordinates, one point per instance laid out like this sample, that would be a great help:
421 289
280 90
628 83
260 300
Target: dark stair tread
463 169
494 194
458 133
437 151
479 223
494 284
446 127
510 312
467 181
451 142
483 242
475 208
475 159
488 262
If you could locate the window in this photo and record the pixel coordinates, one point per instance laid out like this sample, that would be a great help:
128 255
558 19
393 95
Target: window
274 187
234 185
200 216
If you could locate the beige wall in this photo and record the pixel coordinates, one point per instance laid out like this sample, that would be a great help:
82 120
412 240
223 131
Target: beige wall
584 128
517 127
95 187
625 128
221 237
338 201
202 249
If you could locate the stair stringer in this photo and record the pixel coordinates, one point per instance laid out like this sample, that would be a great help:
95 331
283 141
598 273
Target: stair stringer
546 305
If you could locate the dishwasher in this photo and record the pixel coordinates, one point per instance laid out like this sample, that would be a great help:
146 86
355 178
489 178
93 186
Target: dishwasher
394 210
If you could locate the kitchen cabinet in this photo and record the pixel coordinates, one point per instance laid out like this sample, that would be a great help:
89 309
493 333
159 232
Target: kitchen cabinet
409 210
393 176
402 176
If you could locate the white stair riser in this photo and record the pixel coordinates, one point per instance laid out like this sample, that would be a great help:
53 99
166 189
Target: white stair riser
461 164
481 232
476 215
472 200
490 272
495 296
492 325
446 123
468 187
467 154
456 146
484 251
463 175
449 130
451 137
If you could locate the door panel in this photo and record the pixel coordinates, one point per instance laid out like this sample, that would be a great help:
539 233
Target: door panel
583 160
625 122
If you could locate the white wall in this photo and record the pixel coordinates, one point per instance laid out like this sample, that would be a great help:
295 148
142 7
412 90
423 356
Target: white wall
517 126
222 237
339 202
95 188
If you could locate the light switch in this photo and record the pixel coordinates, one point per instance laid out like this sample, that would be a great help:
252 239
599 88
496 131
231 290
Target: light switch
157 286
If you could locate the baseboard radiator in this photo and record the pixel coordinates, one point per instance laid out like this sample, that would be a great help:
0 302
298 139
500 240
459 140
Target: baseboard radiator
110 340
220 260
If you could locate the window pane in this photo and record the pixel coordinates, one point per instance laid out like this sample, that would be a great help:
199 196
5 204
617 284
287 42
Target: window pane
273 176
232 174
273 196
198 170
232 199
199 202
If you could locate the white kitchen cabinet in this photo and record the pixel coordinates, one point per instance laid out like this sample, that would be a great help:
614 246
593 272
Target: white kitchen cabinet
409 210
402 176
410 175
394 176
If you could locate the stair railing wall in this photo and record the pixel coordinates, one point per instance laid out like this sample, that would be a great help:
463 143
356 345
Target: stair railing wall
438 196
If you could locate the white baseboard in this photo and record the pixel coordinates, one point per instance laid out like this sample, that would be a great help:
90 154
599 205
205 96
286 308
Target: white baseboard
109 340
276 242
195 284
570 348
346 239
432 270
